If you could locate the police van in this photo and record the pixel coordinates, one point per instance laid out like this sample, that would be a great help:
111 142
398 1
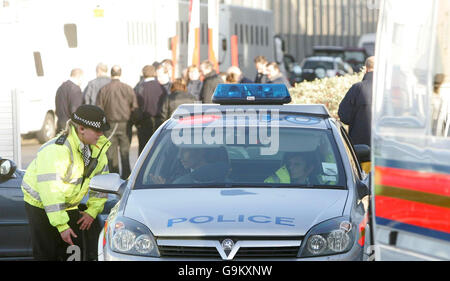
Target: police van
410 131
249 177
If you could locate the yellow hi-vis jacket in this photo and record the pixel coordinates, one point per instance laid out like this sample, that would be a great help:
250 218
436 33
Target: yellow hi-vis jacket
282 176
54 180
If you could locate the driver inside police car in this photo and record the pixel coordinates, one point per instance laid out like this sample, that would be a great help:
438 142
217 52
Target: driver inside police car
190 159
57 180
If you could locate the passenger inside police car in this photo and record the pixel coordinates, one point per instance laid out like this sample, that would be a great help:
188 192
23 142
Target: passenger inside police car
199 165
297 168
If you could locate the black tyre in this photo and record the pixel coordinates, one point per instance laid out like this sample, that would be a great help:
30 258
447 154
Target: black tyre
48 130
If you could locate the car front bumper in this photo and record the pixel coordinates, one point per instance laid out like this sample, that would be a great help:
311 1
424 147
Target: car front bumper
105 253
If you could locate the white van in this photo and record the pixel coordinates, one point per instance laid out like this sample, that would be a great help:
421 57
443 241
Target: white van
42 41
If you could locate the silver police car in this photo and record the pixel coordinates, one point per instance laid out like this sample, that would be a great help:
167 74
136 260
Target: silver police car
246 178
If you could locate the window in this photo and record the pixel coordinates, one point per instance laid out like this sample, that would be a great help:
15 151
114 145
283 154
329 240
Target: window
251 35
241 35
256 35
246 35
267 36
38 64
351 155
70 31
241 161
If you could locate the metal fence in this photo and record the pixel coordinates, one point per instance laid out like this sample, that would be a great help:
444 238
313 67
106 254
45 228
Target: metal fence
305 23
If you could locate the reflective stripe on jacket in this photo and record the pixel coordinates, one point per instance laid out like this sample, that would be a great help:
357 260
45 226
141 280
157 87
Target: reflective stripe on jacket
53 181
282 176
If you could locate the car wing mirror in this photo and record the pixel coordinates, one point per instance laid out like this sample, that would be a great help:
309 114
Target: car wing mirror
108 183
7 168
362 152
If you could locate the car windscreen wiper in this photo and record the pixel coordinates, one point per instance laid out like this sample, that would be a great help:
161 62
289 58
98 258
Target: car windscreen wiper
240 185
311 186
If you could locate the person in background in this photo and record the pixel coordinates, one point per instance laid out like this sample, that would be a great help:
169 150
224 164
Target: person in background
170 68
235 74
210 83
275 76
119 101
355 109
150 104
68 98
93 87
163 77
194 84
178 97
261 75
223 77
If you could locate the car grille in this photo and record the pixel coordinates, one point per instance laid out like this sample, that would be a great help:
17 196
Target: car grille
210 249
188 252
268 252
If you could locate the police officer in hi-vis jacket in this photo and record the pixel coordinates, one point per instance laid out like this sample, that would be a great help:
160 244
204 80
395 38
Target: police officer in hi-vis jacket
57 180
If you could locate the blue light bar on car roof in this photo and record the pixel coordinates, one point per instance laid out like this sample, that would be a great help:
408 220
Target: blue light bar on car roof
251 94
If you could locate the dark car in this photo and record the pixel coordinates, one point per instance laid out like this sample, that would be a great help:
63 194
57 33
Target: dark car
321 67
15 239
355 57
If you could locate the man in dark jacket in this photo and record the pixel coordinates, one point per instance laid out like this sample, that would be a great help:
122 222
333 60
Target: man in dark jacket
94 86
68 98
275 75
119 101
149 100
210 83
178 97
260 64
355 109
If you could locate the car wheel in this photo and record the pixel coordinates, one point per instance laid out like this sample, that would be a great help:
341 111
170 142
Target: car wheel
48 130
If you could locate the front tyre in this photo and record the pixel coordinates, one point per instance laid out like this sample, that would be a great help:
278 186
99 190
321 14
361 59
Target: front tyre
48 130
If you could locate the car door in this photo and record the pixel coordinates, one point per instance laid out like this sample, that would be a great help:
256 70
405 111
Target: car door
15 239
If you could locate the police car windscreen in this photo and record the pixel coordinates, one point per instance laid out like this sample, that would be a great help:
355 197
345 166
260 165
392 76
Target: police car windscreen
243 156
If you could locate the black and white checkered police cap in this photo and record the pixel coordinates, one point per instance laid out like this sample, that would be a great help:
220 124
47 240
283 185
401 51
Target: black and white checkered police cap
91 116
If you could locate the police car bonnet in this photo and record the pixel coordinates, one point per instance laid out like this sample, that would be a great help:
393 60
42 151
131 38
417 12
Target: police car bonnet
91 116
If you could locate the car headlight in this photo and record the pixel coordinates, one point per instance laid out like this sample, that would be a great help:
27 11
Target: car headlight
127 236
335 236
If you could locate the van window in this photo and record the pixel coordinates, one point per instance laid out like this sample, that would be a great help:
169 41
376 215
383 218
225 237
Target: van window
241 35
38 64
257 35
70 31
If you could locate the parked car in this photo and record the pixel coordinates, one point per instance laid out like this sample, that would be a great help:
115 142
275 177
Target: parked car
212 185
15 239
354 56
321 67
293 69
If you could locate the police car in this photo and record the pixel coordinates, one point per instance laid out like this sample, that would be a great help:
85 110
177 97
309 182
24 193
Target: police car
249 177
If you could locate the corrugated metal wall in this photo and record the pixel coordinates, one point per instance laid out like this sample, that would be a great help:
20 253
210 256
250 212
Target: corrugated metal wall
305 23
